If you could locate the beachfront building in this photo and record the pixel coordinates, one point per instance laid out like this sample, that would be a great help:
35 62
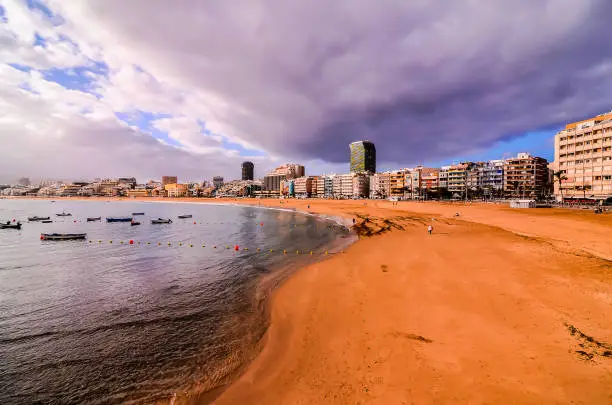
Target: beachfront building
325 186
139 192
272 183
363 157
217 182
457 179
525 176
380 185
583 154
248 170
423 182
397 183
176 190
289 170
493 177
71 190
443 177
361 185
168 180
342 186
303 186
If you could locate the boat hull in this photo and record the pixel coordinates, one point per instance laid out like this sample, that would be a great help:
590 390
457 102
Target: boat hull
161 221
94 219
11 226
63 236
119 219
34 219
185 216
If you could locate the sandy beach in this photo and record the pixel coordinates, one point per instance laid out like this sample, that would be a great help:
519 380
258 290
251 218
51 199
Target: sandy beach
496 306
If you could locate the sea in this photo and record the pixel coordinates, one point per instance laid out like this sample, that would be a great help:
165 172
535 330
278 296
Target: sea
137 314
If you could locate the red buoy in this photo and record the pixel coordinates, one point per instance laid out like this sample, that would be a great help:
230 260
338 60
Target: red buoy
236 247
13 219
75 221
42 237
261 224
131 242
194 222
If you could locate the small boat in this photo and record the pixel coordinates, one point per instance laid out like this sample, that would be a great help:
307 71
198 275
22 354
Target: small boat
64 214
185 216
135 223
62 236
92 219
137 213
161 221
118 219
8 225
38 218
47 221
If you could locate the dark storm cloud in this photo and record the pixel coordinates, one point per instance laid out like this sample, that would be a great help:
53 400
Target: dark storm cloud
421 79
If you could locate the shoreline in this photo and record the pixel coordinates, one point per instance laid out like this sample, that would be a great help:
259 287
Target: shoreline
495 295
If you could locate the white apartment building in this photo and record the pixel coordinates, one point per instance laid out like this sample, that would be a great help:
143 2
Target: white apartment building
583 154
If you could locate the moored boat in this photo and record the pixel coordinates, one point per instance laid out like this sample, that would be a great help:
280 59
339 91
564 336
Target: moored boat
135 223
92 219
185 216
8 225
64 214
62 236
137 213
161 221
36 218
118 219
47 221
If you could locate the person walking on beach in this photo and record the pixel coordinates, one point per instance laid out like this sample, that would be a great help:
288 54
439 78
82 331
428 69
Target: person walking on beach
429 229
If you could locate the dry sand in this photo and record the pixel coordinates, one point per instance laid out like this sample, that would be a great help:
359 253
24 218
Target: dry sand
482 311
496 306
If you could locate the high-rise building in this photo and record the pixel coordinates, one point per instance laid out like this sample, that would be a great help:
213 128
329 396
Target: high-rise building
363 157
169 180
248 169
525 176
290 170
217 181
583 154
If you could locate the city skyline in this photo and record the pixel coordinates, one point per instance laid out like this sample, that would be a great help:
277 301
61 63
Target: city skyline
77 100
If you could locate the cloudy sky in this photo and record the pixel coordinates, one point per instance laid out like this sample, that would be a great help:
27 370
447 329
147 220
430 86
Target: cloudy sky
193 87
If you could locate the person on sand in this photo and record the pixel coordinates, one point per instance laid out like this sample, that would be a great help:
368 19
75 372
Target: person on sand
429 229
353 221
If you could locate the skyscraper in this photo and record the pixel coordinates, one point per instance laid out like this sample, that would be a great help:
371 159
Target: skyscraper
248 169
169 180
363 157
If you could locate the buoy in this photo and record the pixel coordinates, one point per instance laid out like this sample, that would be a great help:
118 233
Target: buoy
158 243
41 237
110 241
261 224
271 250
236 247
180 244
75 221
169 244
190 245
246 248
121 242
90 242
131 242
194 222
13 219
284 252
148 243
139 242
214 247
99 241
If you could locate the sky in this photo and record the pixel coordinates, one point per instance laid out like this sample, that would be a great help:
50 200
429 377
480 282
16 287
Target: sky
145 88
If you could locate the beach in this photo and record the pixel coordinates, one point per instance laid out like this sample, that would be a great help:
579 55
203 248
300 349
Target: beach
496 306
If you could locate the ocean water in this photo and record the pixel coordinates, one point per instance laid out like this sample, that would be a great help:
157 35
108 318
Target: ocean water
95 322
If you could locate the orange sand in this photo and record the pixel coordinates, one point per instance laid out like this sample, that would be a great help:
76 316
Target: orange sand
477 313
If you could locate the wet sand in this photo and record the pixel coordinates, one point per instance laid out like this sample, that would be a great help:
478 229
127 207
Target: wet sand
496 306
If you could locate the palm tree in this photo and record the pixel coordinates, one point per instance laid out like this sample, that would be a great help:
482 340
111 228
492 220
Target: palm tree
559 176
585 188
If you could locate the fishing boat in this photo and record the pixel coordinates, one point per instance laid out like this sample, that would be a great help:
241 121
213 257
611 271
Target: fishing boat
62 236
64 214
8 225
118 219
92 219
35 218
47 221
161 221
135 223
185 216
137 213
